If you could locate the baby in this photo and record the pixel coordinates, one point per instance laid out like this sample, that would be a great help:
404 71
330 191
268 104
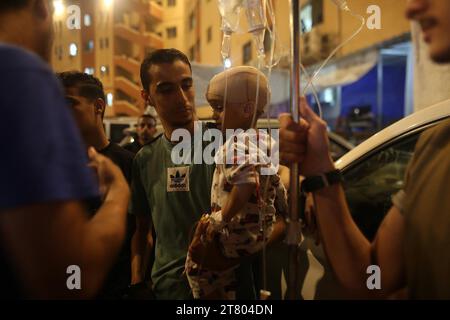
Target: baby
242 215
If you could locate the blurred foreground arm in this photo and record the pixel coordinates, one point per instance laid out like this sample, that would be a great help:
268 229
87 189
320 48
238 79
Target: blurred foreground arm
43 240
348 251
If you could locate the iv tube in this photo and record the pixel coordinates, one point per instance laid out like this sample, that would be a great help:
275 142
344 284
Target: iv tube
343 5
314 91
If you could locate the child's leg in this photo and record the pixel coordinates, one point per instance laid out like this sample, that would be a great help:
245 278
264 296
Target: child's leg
203 282
221 286
227 284
209 285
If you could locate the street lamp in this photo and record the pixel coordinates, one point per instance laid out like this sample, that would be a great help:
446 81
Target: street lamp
108 3
59 7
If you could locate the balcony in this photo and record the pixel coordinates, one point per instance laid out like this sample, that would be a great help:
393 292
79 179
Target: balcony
147 39
131 65
128 87
156 11
122 107
152 8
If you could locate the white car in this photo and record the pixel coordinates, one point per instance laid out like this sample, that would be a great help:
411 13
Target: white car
373 172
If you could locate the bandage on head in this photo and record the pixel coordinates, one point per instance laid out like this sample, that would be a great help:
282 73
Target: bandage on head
242 87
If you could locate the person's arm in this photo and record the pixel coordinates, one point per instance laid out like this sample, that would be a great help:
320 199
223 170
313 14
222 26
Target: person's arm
142 241
349 252
279 230
43 240
141 247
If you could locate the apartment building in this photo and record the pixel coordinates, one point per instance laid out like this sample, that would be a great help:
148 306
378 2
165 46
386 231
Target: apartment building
112 40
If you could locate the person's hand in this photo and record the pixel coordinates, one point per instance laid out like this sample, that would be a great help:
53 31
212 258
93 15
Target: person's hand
109 175
205 250
306 142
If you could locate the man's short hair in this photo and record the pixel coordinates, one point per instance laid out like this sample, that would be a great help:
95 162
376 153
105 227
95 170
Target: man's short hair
88 86
148 116
158 57
6 5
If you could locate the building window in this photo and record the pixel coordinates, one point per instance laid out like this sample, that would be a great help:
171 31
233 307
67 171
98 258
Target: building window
311 15
104 70
192 53
101 43
171 32
90 46
87 20
197 47
209 34
73 50
106 43
171 3
59 52
192 21
247 52
89 71
109 99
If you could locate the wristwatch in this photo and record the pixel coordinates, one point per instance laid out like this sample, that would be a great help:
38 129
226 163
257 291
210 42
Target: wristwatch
315 183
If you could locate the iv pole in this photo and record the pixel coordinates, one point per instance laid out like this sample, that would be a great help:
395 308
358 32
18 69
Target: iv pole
293 292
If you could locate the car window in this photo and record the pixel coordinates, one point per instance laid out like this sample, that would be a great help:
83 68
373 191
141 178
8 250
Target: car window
337 150
370 184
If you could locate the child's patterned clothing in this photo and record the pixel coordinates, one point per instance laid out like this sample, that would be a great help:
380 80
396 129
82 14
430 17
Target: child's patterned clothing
240 161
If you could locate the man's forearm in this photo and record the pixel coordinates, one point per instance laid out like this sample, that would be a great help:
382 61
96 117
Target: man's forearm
104 235
141 247
348 250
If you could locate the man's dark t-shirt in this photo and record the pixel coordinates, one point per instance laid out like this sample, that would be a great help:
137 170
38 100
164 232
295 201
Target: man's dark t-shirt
43 159
120 275
121 157
133 147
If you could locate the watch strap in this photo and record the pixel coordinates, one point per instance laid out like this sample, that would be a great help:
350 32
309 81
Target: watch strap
315 183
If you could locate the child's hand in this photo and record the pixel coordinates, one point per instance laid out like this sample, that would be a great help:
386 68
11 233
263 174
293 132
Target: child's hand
210 233
205 250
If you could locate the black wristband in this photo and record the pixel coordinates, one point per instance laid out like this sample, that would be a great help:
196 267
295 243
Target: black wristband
315 183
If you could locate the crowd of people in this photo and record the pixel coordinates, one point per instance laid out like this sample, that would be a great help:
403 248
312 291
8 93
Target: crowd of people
139 225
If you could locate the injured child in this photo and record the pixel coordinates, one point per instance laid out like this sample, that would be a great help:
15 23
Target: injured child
243 214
